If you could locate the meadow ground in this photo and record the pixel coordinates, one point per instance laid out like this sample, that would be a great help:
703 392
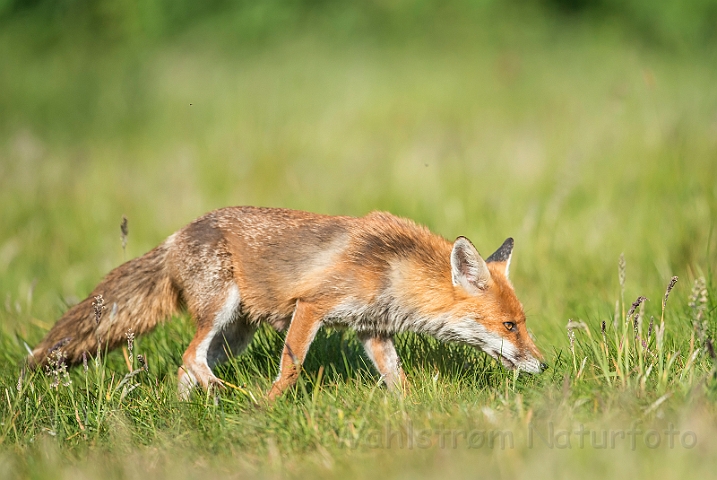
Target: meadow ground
578 141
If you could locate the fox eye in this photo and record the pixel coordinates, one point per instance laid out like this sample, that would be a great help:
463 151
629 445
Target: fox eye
509 325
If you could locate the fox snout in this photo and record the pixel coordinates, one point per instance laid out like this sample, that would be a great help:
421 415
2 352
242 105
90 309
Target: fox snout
527 363
526 358
532 361
533 366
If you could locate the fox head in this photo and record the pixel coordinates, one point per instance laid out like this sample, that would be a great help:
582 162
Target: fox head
487 314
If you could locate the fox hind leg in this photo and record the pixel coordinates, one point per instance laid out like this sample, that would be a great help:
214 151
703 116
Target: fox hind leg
382 352
230 342
218 326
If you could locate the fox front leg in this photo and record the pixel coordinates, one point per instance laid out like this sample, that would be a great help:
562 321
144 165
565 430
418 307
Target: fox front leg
304 324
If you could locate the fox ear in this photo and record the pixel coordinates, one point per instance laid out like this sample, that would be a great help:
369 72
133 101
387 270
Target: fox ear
468 269
503 254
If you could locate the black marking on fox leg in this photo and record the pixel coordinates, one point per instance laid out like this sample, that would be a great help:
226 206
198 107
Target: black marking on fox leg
503 253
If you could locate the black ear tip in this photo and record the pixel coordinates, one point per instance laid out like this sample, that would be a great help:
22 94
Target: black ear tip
503 253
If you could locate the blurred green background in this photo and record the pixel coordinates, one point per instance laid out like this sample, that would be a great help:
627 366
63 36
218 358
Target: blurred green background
582 128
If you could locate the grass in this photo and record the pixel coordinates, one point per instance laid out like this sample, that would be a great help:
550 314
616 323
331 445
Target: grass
576 141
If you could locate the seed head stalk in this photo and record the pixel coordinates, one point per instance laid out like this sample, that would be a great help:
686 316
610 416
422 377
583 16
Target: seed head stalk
98 306
124 231
661 339
622 275
670 286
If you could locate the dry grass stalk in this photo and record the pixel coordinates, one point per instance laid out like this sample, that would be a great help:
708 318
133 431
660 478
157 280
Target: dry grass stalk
130 347
57 368
130 341
124 230
622 275
98 306
670 286
20 379
698 305
636 304
142 362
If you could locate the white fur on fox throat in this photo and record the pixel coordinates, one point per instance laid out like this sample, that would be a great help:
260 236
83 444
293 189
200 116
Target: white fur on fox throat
384 317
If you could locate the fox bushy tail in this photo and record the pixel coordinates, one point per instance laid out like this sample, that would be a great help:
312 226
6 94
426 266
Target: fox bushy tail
137 296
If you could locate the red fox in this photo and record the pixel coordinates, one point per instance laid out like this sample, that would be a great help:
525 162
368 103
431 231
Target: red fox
236 267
